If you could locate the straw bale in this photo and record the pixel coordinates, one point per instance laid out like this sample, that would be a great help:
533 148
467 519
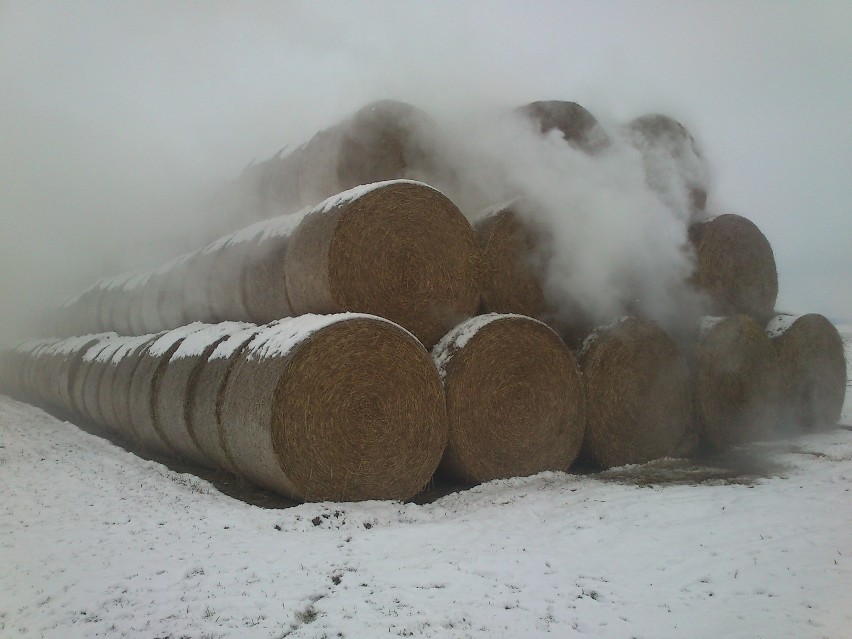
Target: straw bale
171 309
263 284
513 256
195 286
71 351
735 267
381 141
146 314
735 383
80 384
206 398
119 390
514 399
145 384
578 127
399 250
638 394
813 371
668 147
177 388
93 392
346 407
225 290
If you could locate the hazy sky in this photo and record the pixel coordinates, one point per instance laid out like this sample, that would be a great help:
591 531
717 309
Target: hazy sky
116 117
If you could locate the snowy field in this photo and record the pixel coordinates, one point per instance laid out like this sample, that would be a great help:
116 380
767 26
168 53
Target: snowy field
96 542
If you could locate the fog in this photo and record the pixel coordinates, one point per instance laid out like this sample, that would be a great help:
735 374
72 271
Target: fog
119 121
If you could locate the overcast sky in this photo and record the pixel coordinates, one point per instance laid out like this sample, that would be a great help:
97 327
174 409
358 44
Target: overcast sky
116 117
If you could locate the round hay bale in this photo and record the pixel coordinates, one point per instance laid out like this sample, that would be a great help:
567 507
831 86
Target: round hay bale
399 250
225 290
382 141
345 407
813 371
93 392
205 405
72 350
638 395
120 390
81 384
107 385
145 384
263 283
177 387
195 286
514 399
671 159
171 309
735 382
513 263
578 127
146 312
735 267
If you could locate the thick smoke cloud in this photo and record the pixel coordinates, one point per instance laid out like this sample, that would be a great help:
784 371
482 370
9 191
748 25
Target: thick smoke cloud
120 119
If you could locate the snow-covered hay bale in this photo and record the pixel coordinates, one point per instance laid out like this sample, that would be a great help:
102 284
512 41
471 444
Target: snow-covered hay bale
177 386
638 395
93 392
813 370
224 287
381 141
126 361
207 394
107 388
735 267
399 250
171 309
145 385
671 159
195 287
263 284
514 399
80 385
578 127
345 407
512 266
735 382
72 350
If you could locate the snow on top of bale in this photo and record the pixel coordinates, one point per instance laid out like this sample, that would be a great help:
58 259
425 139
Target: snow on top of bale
459 336
229 346
593 336
195 344
73 344
779 324
138 279
173 263
354 193
162 345
95 349
707 324
128 345
278 338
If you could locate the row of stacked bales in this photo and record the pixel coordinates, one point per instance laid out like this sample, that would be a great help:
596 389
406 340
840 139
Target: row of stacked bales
518 400
397 249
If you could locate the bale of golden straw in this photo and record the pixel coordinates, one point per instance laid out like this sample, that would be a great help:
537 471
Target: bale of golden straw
345 407
205 399
515 399
735 267
382 141
112 364
177 386
127 360
813 370
263 281
80 384
578 127
145 384
735 382
72 350
399 250
513 263
92 392
638 394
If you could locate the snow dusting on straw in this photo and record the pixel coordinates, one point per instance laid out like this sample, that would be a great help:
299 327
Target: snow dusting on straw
780 324
707 324
595 334
229 346
195 344
168 340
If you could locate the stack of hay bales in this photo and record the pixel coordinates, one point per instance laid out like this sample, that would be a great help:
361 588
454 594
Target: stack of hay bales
347 405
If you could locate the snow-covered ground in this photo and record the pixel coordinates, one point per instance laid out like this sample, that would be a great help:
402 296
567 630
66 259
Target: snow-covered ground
95 541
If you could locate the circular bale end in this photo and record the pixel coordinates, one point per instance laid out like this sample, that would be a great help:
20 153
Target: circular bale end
638 395
813 371
735 267
735 382
400 250
512 266
346 407
207 394
515 399
578 127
